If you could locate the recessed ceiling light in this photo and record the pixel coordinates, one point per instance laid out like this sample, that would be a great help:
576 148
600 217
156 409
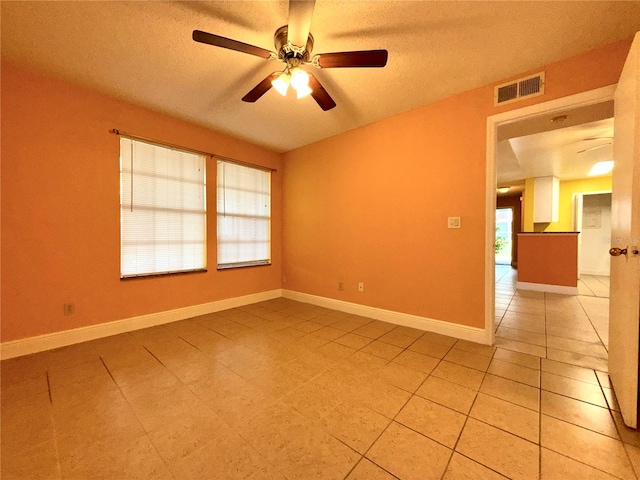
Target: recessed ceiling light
601 168
503 189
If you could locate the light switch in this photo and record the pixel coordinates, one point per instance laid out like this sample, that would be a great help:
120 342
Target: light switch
454 222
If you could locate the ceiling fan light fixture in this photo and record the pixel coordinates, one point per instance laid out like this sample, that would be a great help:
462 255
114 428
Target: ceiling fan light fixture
299 78
303 91
281 84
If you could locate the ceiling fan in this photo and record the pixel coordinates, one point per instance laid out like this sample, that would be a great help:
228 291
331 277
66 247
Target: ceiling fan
294 44
597 146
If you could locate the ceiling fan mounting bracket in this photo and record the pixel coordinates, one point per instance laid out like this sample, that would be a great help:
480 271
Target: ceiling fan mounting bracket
286 50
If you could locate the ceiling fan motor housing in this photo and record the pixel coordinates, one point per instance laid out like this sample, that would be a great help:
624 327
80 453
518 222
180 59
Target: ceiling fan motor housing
287 51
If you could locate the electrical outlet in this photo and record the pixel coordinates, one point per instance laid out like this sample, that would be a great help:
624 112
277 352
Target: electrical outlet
361 286
69 309
340 286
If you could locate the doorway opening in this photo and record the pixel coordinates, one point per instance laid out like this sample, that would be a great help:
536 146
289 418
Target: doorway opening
592 218
533 119
504 236
528 317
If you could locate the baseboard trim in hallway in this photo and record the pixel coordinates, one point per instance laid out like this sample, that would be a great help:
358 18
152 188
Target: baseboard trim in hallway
462 332
542 287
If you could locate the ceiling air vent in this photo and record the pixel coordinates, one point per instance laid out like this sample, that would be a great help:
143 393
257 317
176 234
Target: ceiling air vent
530 86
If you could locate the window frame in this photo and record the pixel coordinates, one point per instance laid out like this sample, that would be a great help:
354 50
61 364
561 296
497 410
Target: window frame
131 204
242 263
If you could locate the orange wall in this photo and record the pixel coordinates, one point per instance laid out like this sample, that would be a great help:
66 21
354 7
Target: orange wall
60 210
371 204
368 205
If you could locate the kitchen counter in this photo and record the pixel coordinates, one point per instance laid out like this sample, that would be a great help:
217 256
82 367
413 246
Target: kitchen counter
548 262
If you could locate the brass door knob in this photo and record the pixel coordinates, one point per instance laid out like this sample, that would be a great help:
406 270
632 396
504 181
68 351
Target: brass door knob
616 252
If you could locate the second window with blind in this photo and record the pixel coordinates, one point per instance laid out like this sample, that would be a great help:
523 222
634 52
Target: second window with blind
243 216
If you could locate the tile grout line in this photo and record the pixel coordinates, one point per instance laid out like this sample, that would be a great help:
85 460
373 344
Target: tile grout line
55 429
546 338
540 393
601 391
402 408
468 415
593 326
146 434
581 462
626 452
540 414
49 386
362 456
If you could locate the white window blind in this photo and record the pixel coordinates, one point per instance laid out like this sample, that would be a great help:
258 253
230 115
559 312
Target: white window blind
244 216
163 214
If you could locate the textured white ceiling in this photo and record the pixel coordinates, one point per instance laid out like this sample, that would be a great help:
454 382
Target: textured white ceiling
566 153
142 52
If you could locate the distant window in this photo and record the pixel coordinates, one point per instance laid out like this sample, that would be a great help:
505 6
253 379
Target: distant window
244 216
163 214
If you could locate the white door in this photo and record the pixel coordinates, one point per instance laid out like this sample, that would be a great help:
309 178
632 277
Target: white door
594 257
624 310
578 202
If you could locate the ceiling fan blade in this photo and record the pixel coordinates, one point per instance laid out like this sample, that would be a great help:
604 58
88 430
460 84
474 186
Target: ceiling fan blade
362 58
260 89
594 148
320 95
218 41
299 23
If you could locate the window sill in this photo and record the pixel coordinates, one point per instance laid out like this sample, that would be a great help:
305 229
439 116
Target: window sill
162 274
235 266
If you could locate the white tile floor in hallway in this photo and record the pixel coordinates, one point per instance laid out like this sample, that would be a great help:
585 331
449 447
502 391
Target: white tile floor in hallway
284 390
593 286
566 328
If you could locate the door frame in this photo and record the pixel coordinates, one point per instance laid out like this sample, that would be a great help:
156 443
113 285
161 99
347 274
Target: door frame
576 216
513 233
591 97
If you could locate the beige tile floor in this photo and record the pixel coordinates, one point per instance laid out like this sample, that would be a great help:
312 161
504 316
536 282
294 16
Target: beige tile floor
285 390
569 329
594 285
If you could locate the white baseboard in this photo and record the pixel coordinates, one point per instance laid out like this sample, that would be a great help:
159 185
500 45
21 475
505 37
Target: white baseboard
26 346
463 332
543 287
600 273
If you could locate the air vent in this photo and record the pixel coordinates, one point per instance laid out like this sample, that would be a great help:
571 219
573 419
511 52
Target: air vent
531 86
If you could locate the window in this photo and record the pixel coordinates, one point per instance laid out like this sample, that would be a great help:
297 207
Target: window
244 216
163 214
